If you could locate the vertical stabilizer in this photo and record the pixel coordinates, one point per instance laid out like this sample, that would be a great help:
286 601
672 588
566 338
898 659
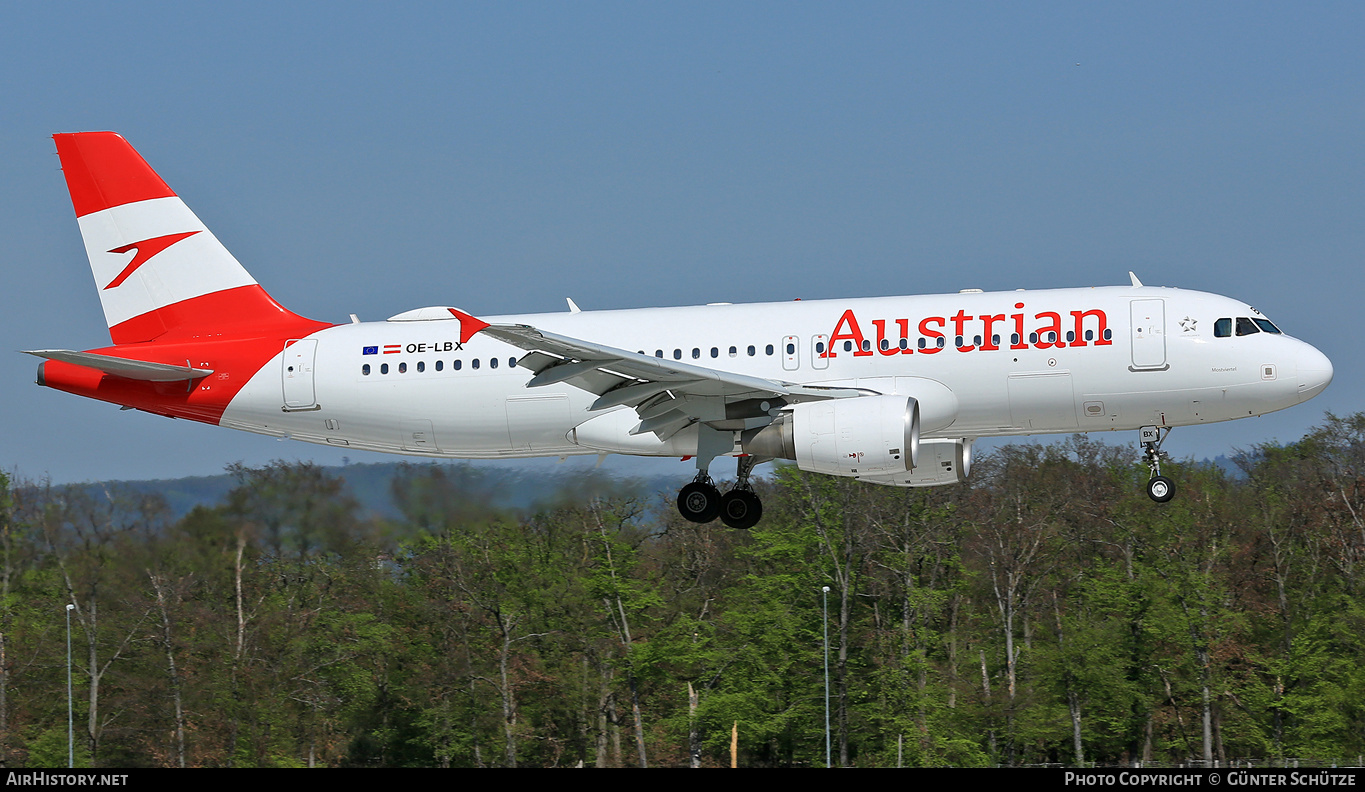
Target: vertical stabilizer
160 272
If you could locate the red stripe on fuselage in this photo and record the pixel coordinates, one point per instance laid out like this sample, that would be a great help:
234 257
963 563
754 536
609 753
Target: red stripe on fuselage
234 332
103 171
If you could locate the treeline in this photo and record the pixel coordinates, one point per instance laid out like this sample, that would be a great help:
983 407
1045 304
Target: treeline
1047 612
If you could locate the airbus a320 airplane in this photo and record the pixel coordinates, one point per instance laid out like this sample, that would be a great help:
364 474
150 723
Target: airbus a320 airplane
891 390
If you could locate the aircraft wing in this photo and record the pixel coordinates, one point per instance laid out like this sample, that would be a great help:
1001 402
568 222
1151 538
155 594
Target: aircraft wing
669 395
123 367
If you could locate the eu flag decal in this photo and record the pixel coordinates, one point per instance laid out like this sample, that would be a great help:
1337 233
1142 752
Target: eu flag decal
370 350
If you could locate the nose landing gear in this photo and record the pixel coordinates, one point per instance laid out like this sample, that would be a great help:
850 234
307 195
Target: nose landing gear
1159 488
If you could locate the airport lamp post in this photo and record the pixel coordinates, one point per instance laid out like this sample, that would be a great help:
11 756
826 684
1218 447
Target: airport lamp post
824 601
70 717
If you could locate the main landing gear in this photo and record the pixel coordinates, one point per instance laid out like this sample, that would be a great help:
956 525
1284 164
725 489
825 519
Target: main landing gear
1159 488
702 502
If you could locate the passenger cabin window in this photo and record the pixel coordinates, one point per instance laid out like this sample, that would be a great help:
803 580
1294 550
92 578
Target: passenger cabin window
769 349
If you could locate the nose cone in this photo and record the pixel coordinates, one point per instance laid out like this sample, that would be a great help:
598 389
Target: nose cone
1315 372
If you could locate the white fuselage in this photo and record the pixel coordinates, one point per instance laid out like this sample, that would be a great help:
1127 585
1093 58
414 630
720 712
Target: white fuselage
889 390
1161 364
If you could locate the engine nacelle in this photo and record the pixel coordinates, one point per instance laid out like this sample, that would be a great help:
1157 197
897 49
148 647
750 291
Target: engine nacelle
940 462
862 436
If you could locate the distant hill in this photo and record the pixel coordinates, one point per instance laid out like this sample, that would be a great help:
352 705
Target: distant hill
511 487
372 485
1223 463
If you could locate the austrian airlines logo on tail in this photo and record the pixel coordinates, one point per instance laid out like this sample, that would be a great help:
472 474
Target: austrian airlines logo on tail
146 249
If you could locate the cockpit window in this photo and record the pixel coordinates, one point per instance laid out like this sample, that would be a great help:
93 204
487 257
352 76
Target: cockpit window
1246 327
1266 325
1222 328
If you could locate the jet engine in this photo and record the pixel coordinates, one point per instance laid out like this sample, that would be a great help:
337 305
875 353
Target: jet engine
940 462
861 436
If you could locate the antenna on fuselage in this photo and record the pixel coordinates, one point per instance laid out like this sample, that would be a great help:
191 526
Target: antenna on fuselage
1137 284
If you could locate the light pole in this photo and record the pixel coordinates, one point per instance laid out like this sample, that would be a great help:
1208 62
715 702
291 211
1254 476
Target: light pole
824 601
70 718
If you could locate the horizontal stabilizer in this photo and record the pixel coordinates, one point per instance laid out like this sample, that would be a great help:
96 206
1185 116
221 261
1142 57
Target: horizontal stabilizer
123 367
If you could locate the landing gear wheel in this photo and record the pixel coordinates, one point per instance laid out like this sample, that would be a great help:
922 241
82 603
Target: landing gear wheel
1160 489
740 509
699 502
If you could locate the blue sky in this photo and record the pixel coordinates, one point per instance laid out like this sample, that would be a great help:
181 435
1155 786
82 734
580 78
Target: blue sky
368 158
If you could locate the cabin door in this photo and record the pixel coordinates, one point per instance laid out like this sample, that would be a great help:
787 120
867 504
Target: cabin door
1148 334
298 374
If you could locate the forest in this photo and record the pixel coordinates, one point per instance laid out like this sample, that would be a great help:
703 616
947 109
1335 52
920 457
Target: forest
1047 612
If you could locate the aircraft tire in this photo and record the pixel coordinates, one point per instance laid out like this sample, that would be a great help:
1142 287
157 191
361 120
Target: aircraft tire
1160 489
740 509
699 502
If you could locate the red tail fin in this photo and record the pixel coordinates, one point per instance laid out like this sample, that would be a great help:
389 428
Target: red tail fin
161 273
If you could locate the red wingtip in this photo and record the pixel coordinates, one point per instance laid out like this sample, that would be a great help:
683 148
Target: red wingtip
469 325
103 171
